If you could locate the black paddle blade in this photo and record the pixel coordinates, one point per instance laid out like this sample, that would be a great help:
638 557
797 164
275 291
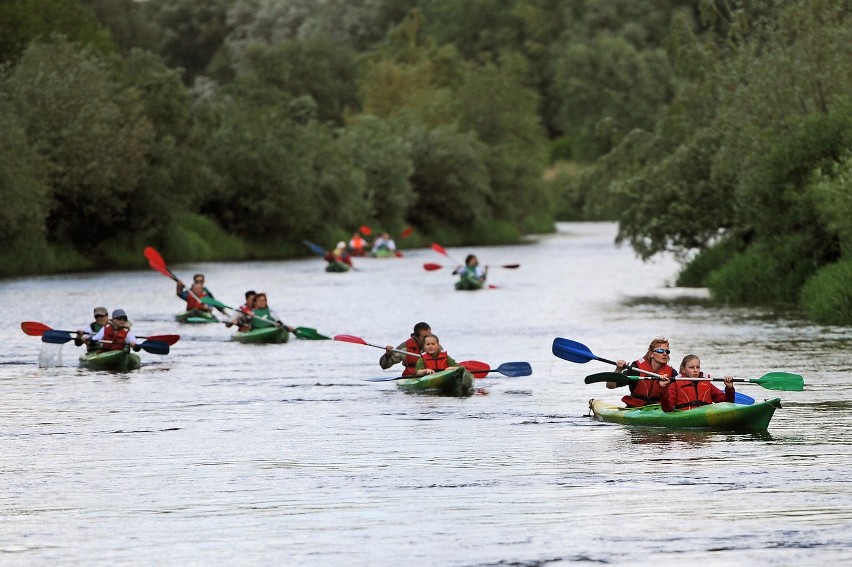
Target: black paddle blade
514 369
155 347
619 379
573 351
56 337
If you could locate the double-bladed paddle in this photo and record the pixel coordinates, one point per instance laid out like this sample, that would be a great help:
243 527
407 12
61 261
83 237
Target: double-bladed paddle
443 251
155 260
475 367
315 248
62 337
359 341
431 267
306 333
771 380
36 329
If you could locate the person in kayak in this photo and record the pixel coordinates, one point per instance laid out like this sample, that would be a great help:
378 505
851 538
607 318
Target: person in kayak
682 394
656 360
383 242
414 345
101 315
242 320
193 296
339 254
357 244
434 359
263 317
116 333
472 271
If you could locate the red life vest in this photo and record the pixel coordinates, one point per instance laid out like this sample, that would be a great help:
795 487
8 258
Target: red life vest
695 393
643 392
438 362
410 360
192 303
357 243
116 338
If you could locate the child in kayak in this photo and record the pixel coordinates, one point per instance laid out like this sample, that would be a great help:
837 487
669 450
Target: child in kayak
686 394
472 271
414 345
656 360
242 319
263 317
434 359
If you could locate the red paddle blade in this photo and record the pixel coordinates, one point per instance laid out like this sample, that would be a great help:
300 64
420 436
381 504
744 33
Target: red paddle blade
439 249
34 328
432 267
366 230
475 367
407 232
155 260
168 339
350 339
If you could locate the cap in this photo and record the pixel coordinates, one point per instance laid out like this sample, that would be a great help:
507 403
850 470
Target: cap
118 313
341 244
101 311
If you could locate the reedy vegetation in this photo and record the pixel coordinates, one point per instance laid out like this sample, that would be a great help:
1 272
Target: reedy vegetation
719 130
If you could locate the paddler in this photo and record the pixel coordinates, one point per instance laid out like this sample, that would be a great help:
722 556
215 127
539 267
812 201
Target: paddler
116 334
414 345
193 296
101 315
656 360
263 317
682 394
357 244
434 359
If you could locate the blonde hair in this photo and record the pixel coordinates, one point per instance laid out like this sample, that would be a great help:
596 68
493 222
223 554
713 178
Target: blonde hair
655 342
686 360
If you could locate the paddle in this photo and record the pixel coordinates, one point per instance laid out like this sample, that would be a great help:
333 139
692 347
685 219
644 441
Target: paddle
36 329
62 337
513 369
441 250
360 341
365 230
407 232
306 333
430 267
315 248
155 260
475 367
771 381
573 351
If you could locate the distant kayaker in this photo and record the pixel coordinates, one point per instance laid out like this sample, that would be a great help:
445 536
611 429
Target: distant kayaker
101 315
116 333
414 345
263 317
357 244
193 296
242 319
472 271
656 360
434 359
383 242
685 394
339 254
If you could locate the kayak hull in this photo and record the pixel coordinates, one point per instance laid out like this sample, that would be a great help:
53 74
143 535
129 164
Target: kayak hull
264 335
455 382
337 267
722 416
195 316
384 253
466 284
117 360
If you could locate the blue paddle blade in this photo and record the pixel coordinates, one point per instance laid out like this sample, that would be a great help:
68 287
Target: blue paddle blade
573 351
155 347
514 369
56 337
742 399
315 248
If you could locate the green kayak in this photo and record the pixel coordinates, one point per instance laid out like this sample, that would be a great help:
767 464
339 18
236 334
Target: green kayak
384 253
723 416
337 267
120 360
454 382
469 284
264 335
196 316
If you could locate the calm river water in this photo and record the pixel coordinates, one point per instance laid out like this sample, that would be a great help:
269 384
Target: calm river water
222 453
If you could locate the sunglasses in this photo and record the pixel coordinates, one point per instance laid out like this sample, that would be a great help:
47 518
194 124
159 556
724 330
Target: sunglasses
662 351
96 316
121 318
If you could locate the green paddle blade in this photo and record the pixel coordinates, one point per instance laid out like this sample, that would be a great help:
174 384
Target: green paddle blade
207 300
781 381
310 334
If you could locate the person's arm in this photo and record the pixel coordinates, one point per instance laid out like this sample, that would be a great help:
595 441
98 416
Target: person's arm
451 363
668 394
389 358
726 395
620 368
421 369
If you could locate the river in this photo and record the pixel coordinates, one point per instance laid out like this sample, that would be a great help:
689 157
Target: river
223 453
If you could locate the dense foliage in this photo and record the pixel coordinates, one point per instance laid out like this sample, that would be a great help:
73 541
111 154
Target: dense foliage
720 130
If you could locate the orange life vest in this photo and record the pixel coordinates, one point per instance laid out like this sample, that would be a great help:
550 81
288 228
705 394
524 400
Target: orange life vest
192 303
438 362
410 360
115 338
643 392
695 393
357 243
